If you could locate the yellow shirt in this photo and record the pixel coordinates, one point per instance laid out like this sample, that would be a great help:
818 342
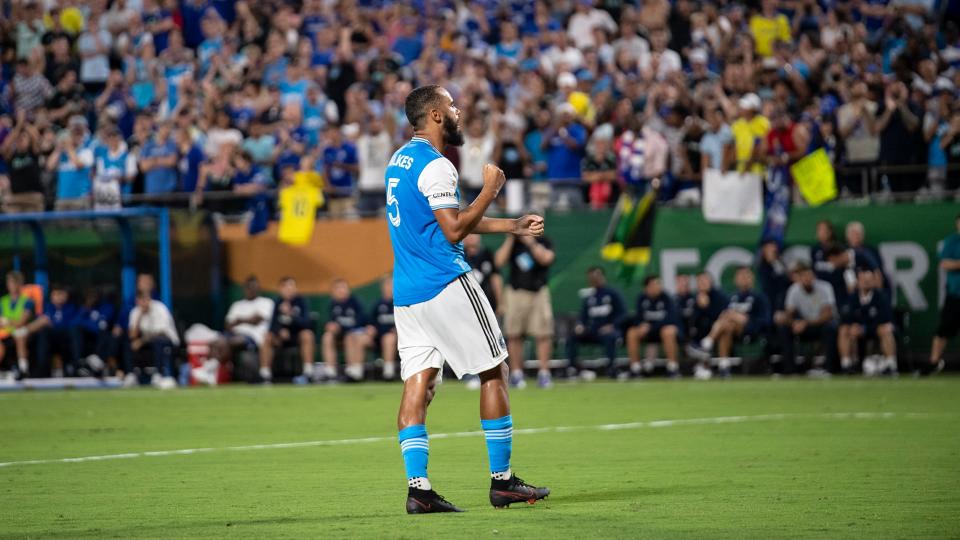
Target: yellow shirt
765 31
747 134
298 208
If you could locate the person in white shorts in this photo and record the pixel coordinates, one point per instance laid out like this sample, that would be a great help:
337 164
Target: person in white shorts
442 315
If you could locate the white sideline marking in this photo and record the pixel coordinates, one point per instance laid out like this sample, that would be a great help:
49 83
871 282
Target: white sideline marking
460 434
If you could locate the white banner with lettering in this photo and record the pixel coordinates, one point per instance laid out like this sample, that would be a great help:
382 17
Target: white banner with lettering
732 197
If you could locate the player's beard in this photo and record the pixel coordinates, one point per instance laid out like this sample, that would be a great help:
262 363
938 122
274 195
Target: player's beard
451 132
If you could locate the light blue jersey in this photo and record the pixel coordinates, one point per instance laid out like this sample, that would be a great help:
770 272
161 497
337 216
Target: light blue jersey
420 180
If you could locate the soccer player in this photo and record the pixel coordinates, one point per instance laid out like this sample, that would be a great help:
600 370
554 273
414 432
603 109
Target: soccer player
873 320
347 325
657 322
382 330
600 319
747 314
290 326
440 310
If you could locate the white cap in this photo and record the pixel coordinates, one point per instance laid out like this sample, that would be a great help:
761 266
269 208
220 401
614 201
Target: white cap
566 79
698 56
750 101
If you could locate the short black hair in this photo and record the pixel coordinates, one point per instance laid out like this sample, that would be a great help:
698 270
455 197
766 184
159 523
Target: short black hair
600 269
419 102
834 250
650 278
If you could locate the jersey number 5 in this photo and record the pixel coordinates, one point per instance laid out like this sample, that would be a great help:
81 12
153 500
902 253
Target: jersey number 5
392 201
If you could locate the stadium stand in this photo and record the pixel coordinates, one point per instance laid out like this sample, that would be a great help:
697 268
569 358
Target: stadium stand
219 105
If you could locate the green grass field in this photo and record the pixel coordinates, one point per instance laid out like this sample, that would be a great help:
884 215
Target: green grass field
755 459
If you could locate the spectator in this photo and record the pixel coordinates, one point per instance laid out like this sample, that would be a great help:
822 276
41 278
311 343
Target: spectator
585 20
247 325
58 334
382 329
21 151
290 327
340 170
811 312
873 321
158 161
67 99
346 328
658 321
565 143
374 148
769 27
528 310
856 121
747 315
599 322
94 47
114 171
747 130
72 159
153 336
477 150
898 121
30 89
950 310
600 169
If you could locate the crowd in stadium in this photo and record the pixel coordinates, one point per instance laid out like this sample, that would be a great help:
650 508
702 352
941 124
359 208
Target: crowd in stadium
108 99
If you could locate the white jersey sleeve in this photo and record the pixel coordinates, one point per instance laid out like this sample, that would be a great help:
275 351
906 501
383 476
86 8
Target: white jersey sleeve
438 183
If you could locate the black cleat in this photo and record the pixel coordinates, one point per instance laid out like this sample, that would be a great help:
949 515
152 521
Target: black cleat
505 492
427 501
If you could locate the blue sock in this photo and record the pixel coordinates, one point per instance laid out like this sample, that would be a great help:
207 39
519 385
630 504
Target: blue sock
415 450
499 435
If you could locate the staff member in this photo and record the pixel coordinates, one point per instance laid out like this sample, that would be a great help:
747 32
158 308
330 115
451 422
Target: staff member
950 312
528 308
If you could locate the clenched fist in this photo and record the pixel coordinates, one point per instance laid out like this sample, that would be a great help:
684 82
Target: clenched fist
493 178
529 225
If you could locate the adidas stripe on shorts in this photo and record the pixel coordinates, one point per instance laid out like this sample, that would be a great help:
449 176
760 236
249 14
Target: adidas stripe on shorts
457 326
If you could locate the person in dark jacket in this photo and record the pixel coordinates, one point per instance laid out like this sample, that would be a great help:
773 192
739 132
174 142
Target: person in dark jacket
57 333
657 322
290 326
747 314
94 321
710 303
382 328
686 302
347 327
873 321
600 318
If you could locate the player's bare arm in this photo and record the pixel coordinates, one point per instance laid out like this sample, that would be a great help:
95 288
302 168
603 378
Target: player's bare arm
456 224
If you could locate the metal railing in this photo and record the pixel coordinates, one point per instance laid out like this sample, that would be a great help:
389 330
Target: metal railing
856 185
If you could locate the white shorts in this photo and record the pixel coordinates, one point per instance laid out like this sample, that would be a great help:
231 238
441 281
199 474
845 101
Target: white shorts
457 326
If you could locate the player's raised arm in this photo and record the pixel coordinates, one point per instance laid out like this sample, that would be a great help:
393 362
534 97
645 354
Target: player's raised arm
456 224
